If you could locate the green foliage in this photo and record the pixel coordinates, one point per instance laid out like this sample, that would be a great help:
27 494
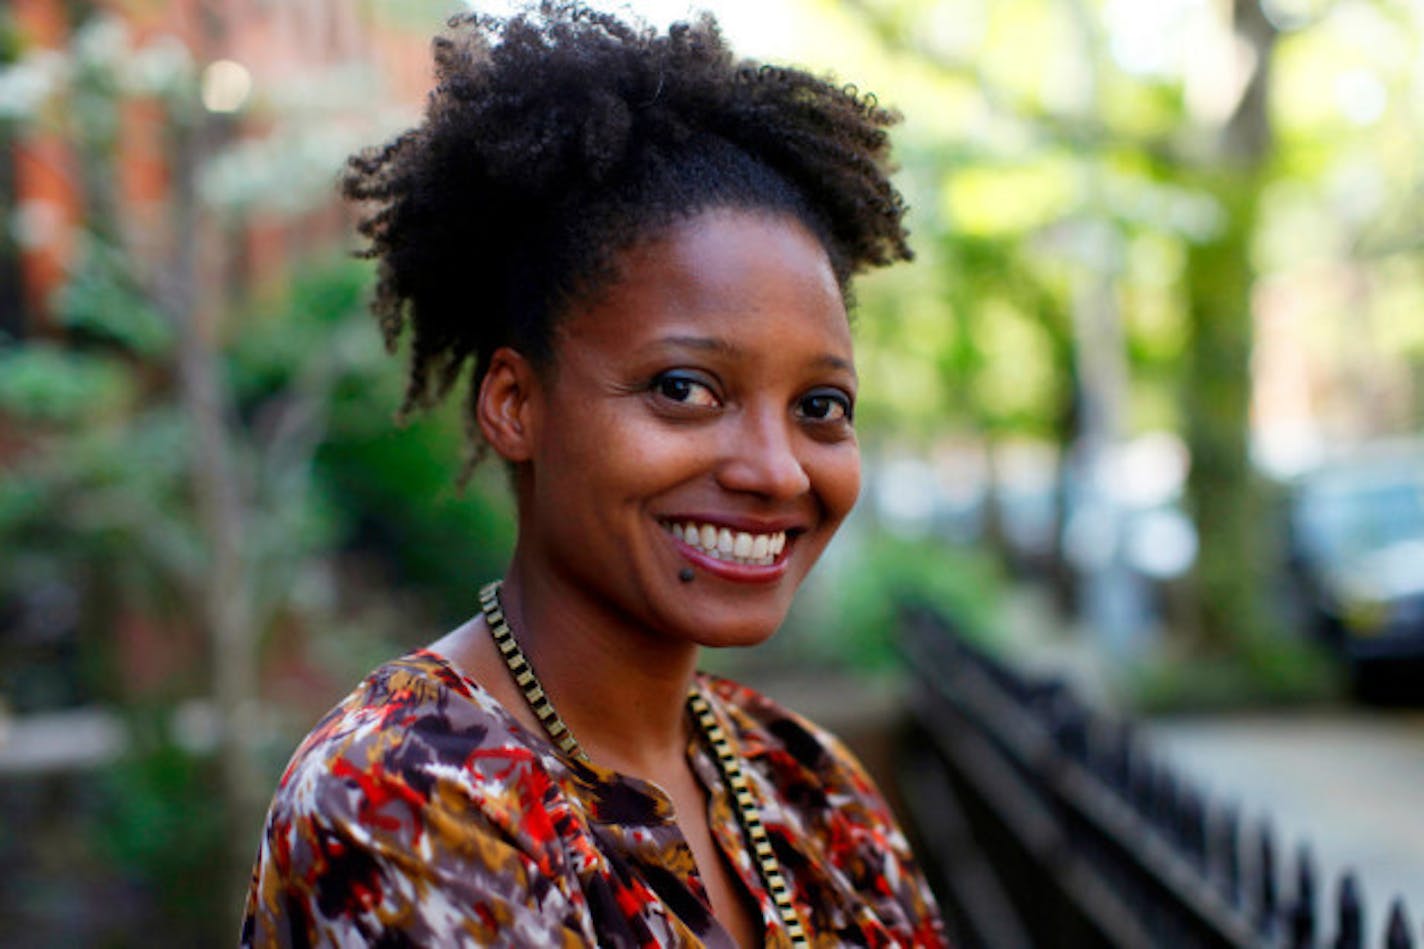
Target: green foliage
10 41
1101 185
46 384
19 497
102 497
1010 199
107 493
157 822
848 615
1268 671
387 491
322 307
415 15
104 515
101 301
397 491
101 501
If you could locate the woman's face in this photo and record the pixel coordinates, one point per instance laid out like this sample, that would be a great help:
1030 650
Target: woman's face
697 416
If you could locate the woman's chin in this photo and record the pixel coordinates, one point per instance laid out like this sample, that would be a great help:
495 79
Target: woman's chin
737 640
707 622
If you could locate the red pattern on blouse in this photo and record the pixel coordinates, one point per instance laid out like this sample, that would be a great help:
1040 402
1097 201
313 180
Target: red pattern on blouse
420 812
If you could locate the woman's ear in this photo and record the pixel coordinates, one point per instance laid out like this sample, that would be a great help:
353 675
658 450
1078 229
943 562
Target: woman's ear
507 405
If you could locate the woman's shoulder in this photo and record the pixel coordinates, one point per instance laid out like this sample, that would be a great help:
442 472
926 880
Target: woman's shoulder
416 808
819 801
788 741
754 708
410 725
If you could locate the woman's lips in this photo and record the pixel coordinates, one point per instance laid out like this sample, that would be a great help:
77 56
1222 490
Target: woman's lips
741 555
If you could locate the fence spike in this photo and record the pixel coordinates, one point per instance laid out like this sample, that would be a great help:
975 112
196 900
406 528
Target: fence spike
1182 819
1266 880
1200 841
1397 931
1126 758
1164 800
1349 914
1104 751
1302 911
1093 730
1066 722
1084 722
1228 848
1143 780
1192 824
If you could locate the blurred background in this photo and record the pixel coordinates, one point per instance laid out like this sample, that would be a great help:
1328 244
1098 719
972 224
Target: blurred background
1146 412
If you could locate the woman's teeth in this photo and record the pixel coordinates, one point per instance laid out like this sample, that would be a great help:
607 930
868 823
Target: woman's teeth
760 550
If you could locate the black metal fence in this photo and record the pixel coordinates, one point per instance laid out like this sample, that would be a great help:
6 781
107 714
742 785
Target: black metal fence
1043 823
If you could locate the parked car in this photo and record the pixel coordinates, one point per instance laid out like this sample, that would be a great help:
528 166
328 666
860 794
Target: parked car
1356 554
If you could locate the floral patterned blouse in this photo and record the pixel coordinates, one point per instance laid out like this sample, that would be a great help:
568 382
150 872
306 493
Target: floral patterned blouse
420 812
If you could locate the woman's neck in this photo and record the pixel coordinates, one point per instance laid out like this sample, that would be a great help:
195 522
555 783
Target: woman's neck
620 688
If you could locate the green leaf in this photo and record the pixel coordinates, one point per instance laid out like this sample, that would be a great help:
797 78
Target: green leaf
42 383
102 300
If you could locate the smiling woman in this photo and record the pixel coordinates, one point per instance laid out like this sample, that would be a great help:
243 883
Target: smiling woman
643 247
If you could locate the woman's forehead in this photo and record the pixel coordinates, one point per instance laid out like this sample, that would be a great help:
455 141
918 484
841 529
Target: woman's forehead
724 280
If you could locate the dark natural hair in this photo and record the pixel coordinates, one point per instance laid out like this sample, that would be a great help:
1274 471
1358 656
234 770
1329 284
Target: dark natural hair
557 138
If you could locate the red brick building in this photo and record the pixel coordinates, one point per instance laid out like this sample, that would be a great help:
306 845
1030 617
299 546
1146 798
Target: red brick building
276 50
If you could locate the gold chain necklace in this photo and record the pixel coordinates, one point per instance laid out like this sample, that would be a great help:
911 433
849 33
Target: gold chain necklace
748 814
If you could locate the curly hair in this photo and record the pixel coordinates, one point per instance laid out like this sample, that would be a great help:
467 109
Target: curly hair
559 137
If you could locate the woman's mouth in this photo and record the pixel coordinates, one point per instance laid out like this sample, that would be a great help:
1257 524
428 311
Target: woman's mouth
745 548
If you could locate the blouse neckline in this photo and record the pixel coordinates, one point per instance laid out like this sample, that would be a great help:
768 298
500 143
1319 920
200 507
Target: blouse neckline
585 770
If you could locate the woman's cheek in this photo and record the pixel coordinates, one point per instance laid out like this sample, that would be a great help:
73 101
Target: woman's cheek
838 475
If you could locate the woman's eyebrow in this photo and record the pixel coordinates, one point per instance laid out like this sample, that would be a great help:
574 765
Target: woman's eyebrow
705 343
727 348
831 361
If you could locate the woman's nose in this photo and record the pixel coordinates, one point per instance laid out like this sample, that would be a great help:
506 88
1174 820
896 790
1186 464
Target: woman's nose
761 458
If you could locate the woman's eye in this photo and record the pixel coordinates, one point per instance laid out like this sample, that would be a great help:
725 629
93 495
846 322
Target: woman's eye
685 390
826 407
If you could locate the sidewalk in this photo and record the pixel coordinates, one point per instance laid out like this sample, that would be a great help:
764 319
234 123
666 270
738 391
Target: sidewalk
1348 780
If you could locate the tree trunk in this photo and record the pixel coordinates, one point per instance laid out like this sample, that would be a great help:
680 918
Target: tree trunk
227 609
1221 490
